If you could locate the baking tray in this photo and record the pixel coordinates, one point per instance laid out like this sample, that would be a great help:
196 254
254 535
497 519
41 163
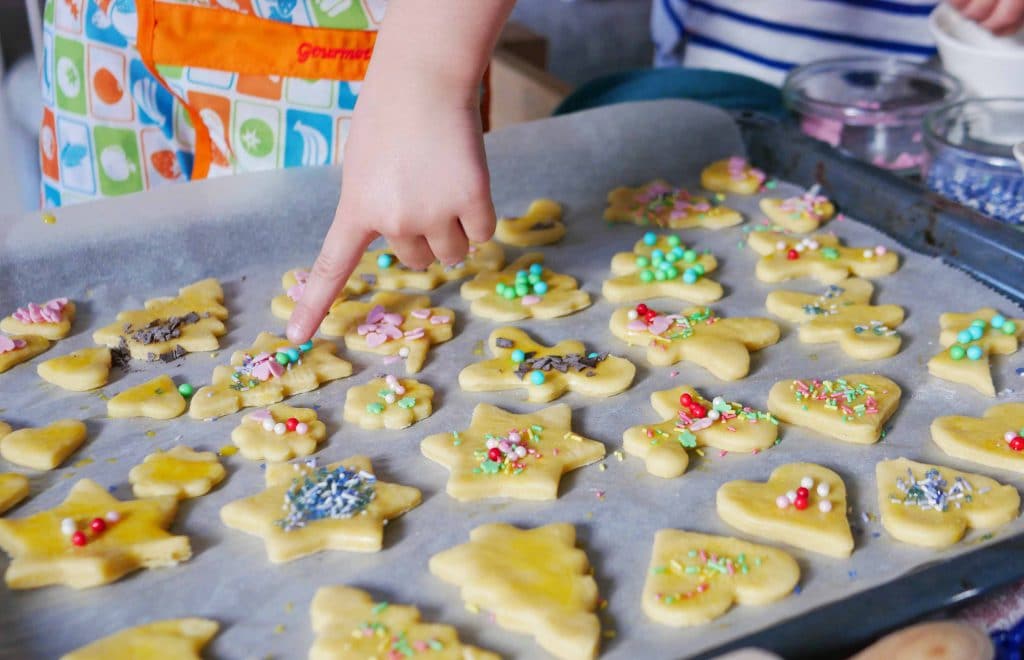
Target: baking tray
248 230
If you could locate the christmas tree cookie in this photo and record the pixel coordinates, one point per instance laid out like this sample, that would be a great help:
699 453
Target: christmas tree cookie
851 408
542 225
996 439
388 403
51 320
526 289
663 205
180 472
662 267
970 341
822 257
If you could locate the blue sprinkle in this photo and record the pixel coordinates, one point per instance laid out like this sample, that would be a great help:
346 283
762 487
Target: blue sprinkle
797 589
852 574
1020 371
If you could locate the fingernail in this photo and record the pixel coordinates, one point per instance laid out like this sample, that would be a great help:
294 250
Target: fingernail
295 333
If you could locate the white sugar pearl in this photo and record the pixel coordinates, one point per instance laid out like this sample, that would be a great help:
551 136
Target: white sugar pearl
492 443
113 517
814 245
631 315
825 506
880 250
799 247
268 425
868 254
807 482
823 489
403 352
791 496
781 245
520 451
389 398
302 428
68 527
782 501
1010 435
714 414
717 401
280 428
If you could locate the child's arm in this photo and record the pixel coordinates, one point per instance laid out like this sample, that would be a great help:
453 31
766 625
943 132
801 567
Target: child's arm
414 166
999 16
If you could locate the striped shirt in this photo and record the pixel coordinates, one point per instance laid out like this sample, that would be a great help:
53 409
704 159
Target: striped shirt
766 38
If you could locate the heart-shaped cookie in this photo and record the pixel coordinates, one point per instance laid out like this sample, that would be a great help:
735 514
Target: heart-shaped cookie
79 371
157 399
43 448
995 439
851 408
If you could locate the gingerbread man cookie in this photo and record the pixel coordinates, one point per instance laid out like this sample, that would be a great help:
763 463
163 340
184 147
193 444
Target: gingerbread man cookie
801 213
801 504
545 372
157 399
696 578
170 639
732 175
843 313
932 506
526 289
180 472
190 322
506 455
661 266
535 581
542 225
382 270
970 340
663 205
17 349
51 320
294 284
388 403
851 408
279 433
698 335
79 371
13 488
42 448
996 439
821 256
692 421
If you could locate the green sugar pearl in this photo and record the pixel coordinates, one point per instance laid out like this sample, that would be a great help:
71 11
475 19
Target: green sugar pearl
957 352
642 262
673 240
646 276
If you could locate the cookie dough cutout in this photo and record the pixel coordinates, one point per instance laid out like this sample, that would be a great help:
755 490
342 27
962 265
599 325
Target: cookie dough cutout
170 639
20 348
932 506
180 472
801 504
542 225
546 372
157 399
732 175
51 320
526 289
691 421
800 213
535 581
43 448
78 371
193 320
970 341
382 270
279 433
66 545
852 408
506 455
388 403
695 578
307 509
349 624
821 257
995 440
266 373
843 314
13 489
294 284
662 267
720 345
663 205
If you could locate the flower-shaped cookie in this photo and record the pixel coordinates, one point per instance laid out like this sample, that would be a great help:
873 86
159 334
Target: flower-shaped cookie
698 335
545 372
13 486
267 372
542 225
535 581
382 270
193 320
79 371
996 439
844 314
180 472
20 348
279 433
42 448
661 266
663 205
970 340
801 504
181 639
692 421
90 539
732 175
821 257
307 509
51 320
695 578
932 506
852 408
802 213
388 403
507 455
158 399
526 289
294 284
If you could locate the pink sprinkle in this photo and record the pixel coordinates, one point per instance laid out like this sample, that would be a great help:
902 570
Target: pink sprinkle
420 645
755 451
723 453
673 373
554 451
440 320
529 300
7 344
415 333
420 313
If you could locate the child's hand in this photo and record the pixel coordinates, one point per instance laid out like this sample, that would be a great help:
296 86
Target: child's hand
1001 17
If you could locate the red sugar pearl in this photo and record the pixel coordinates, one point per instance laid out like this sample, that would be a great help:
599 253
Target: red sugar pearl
802 492
642 309
494 454
698 411
1017 444
79 539
291 423
685 399
800 503
792 255
98 525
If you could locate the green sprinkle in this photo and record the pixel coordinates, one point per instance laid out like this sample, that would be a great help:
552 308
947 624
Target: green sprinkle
375 408
407 402
379 607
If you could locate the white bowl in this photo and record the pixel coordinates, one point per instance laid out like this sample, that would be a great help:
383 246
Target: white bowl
986 64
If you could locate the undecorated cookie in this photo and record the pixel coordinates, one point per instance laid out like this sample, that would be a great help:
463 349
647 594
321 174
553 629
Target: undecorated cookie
388 403
526 289
542 225
180 472
851 408
801 213
20 348
696 578
307 509
157 399
294 284
932 506
732 175
691 421
91 539
663 205
546 372
79 371
801 504
822 257
996 439
970 341
51 320
170 639
534 581
43 448
279 433
506 455
662 267
382 270
13 489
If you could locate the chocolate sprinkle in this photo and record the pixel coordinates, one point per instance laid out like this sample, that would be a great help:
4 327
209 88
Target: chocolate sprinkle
502 342
561 363
120 356
542 225
369 278
160 330
172 355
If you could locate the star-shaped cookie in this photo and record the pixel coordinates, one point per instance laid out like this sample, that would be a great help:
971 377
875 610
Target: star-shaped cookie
294 284
51 320
720 345
180 472
20 348
932 506
42 448
852 408
266 373
278 433
525 289
545 372
661 204
732 175
800 213
193 320
506 455
78 371
132 534
13 488
696 578
801 504
691 421
382 270
307 509
180 639
157 399
388 403
535 581
842 313
970 340
821 256
995 439
542 225
662 267
349 624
